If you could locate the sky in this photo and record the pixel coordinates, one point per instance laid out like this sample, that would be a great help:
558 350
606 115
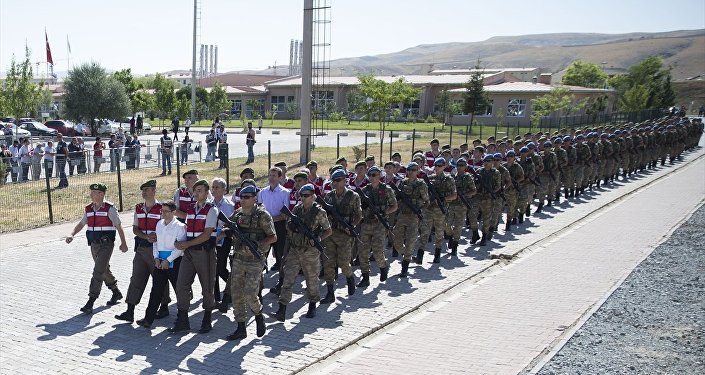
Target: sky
151 36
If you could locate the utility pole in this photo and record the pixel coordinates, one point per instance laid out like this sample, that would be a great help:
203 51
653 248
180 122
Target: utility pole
306 67
193 65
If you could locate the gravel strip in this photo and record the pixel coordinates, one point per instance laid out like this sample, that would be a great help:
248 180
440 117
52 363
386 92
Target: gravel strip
654 323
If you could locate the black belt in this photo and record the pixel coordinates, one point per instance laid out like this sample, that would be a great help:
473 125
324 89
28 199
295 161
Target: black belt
141 242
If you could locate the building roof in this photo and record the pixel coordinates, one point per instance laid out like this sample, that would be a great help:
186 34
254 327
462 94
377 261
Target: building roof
529 87
486 70
419 80
237 80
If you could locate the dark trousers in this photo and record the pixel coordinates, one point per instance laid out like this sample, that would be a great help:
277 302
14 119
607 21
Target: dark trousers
221 267
61 169
142 267
160 283
280 245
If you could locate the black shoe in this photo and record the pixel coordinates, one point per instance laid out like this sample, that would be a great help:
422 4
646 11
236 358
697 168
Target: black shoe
437 255
395 253
88 307
365 281
383 272
129 315
144 323
225 303
572 193
566 192
275 267
540 206
311 313
206 325
549 203
351 285
521 219
528 210
483 241
163 312
261 329
453 246
475 236
404 268
280 315
320 274
330 297
418 259
356 262
507 227
240 333
182 323
514 221
115 299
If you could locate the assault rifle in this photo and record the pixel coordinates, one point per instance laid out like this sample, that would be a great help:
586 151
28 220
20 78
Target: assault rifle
376 211
332 210
243 238
435 195
406 199
302 228
484 186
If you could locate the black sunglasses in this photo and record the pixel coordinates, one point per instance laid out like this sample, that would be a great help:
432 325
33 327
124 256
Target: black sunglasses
306 195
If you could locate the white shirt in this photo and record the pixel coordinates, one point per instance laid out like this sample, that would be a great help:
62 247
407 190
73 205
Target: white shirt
24 154
49 153
274 200
166 236
37 154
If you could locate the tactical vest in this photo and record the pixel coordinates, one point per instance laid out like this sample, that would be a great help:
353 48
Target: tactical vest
98 223
464 184
414 193
344 206
378 198
250 226
299 239
196 223
185 199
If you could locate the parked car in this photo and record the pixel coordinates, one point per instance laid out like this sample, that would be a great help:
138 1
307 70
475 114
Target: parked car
107 127
83 129
146 127
64 127
38 129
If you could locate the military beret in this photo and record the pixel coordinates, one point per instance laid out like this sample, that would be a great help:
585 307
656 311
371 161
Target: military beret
412 164
445 147
202 183
192 171
301 175
248 181
446 151
338 173
488 158
461 162
335 168
511 154
464 145
603 135
340 160
307 187
396 154
531 145
98 186
373 169
247 170
547 144
360 164
579 137
249 189
435 140
567 138
439 162
370 157
558 140
611 136
497 156
523 150
389 164
312 163
280 164
148 184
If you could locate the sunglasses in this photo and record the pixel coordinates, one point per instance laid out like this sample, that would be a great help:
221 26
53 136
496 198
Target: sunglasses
374 174
306 195
246 197
338 179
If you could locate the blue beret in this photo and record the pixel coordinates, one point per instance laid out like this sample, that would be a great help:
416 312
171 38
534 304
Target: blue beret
531 145
249 189
488 158
567 138
373 169
439 162
523 150
611 136
511 154
579 137
461 161
307 187
413 164
337 174
547 144
497 156
617 132
603 135
558 140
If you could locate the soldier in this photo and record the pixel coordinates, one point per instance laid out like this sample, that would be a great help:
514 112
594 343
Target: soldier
199 258
539 166
505 178
144 225
550 178
444 185
223 243
246 276
339 245
406 230
457 210
372 234
513 190
528 187
103 221
583 162
184 195
489 181
302 254
567 176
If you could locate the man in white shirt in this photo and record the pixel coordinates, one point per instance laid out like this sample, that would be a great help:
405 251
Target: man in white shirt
223 242
25 159
274 197
37 156
48 158
167 260
15 160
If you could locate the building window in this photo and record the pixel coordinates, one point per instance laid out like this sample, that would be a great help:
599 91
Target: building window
322 102
516 107
487 111
281 101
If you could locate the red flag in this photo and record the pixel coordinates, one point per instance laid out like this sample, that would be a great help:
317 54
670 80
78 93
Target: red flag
49 59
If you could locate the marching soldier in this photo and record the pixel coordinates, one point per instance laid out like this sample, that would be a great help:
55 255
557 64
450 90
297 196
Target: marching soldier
444 185
561 166
406 230
103 222
583 162
498 204
246 276
490 182
550 170
513 190
568 176
457 210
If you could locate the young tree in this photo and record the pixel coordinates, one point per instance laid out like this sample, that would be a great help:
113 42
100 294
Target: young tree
90 93
217 99
635 98
655 80
20 94
475 96
558 101
143 101
585 74
131 85
291 108
356 104
183 107
444 103
164 97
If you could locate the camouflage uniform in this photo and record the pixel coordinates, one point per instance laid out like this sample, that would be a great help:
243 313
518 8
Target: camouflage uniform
526 196
498 204
246 275
339 243
516 172
583 161
562 177
489 181
445 185
406 230
372 236
548 177
543 183
303 256
457 211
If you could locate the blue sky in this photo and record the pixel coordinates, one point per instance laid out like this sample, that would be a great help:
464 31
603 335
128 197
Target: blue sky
155 35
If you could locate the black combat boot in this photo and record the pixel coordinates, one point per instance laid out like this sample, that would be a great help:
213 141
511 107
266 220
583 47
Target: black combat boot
240 333
129 315
549 203
278 288
490 234
88 307
475 236
514 221
571 193
404 268
261 329
163 312
558 196
365 280
539 207
116 297
182 323
206 325
454 249
225 303
528 210
437 255
311 313
351 285
418 259
383 272
521 218
566 192
590 186
598 183
483 241
280 315
450 246
395 253
507 227
330 296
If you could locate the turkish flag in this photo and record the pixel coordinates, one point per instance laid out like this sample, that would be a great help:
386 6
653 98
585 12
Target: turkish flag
49 59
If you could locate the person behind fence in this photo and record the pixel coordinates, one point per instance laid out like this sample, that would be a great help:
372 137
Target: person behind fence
15 160
74 155
103 222
222 147
98 148
250 143
185 149
144 225
166 145
129 153
113 145
223 242
198 259
81 167
25 159
175 127
140 124
246 277
211 143
137 147
37 156
166 261
62 152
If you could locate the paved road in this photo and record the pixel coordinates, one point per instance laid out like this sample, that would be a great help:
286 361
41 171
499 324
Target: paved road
44 282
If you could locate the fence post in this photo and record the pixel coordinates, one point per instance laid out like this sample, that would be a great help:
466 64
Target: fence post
337 147
507 135
269 155
413 141
178 166
391 143
434 133
365 144
47 177
495 131
227 168
119 176
450 141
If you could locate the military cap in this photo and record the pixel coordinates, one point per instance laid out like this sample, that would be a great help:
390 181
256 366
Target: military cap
567 138
247 170
248 181
301 175
461 162
579 137
389 164
523 150
374 169
463 145
338 173
396 154
360 164
280 164
547 144
312 163
340 160
558 140
202 183
439 162
370 157
511 154
412 164
335 168
419 156
435 140
497 156
531 145
446 151
488 158
249 189
192 171
148 184
445 147
98 186
307 187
